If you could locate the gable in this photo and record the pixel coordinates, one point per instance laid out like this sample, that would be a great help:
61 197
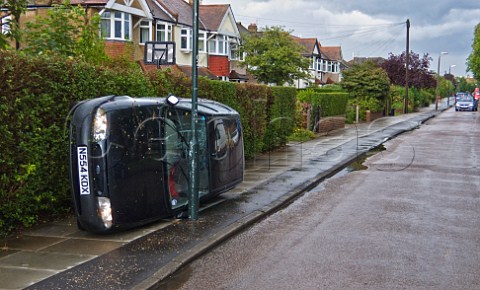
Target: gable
229 26
218 18
134 7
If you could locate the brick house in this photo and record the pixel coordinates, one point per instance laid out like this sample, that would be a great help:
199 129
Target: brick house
141 28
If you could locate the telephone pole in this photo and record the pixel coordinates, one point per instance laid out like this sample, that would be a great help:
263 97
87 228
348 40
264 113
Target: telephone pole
406 67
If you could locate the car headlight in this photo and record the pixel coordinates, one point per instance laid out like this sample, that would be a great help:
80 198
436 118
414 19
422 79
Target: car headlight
100 125
105 211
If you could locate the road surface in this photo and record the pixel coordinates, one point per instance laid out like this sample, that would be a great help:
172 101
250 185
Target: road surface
409 220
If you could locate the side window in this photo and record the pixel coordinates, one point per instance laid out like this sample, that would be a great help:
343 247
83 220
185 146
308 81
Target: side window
220 138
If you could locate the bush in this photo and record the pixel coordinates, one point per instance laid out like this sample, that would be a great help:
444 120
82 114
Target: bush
281 116
301 135
35 97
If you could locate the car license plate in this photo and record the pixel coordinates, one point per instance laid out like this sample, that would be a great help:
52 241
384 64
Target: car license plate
83 177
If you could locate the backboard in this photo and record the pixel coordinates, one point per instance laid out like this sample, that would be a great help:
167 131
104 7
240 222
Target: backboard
159 53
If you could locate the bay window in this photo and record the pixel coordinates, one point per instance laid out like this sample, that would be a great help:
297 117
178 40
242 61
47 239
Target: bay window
115 25
218 45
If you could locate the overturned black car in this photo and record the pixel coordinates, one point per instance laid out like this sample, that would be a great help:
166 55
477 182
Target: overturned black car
129 161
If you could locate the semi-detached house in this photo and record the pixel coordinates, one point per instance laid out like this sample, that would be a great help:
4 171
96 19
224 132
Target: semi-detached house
149 30
326 62
156 27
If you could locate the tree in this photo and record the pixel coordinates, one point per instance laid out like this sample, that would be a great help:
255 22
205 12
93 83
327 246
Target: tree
15 8
67 31
368 85
473 60
464 86
366 80
272 56
419 75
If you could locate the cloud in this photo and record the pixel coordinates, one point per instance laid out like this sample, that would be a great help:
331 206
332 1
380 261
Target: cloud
371 28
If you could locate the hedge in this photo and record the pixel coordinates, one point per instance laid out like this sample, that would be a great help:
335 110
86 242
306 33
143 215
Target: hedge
36 95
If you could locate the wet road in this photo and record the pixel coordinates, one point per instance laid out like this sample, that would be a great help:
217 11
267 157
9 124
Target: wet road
410 220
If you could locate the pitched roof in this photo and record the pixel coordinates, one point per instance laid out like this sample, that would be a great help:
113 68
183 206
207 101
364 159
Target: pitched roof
332 52
360 60
158 12
212 15
179 9
307 43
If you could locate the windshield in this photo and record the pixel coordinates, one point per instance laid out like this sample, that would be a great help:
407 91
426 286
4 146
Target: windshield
465 98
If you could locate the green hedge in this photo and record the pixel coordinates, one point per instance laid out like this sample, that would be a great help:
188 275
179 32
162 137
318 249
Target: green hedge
36 95
331 104
323 103
280 116
417 98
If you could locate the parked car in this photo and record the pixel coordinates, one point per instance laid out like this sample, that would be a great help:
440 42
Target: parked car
465 102
129 161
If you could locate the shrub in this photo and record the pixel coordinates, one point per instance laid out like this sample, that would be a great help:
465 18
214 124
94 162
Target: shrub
281 116
301 135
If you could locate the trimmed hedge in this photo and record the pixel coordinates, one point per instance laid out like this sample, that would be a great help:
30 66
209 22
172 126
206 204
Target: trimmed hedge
280 116
323 103
36 95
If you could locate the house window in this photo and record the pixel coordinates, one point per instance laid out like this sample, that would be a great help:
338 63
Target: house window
235 52
222 44
186 39
145 31
201 41
329 66
212 46
164 32
115 25
219 45
6 24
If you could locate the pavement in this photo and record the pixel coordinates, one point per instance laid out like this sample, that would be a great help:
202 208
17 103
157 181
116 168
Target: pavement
58 255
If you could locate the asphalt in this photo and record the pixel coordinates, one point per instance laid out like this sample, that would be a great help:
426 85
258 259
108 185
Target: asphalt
58 255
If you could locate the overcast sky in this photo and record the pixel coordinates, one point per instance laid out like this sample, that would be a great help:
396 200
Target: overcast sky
370 28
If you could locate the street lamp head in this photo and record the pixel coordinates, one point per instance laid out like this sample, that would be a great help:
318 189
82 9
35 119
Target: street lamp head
443 52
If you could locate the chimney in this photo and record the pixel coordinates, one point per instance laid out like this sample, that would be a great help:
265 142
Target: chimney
252 28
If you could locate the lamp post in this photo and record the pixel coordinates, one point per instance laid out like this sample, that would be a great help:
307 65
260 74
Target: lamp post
438 79
193 201
450 72
450 69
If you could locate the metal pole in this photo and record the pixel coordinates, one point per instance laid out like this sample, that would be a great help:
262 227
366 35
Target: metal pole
193 203
406 66
437 91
